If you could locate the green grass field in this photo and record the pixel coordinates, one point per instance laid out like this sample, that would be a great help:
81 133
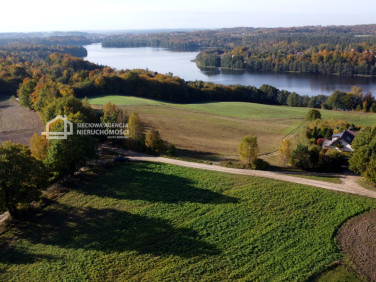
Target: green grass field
144 221
243 110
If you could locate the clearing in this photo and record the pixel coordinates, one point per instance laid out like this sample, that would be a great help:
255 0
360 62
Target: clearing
149 221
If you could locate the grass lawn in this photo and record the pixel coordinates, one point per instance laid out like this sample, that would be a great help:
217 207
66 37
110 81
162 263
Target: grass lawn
144 221
124 100
215 129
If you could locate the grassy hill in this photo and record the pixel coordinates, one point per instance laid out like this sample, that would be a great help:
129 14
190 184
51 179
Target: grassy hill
242 110
145 221
215 129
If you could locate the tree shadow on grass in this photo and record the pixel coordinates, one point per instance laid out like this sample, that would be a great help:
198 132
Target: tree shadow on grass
136 182
110 230
198 155
14 255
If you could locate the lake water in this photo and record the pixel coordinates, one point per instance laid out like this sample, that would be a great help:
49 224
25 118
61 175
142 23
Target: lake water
180 64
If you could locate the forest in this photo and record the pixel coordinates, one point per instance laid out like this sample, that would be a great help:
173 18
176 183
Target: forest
342 50
58 38
324 59
39 65
300 38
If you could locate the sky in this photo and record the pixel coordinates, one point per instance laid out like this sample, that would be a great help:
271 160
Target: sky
87 15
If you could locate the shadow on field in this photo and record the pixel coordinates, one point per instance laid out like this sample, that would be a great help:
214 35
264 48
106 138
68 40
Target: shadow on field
199 155
110 230
136 182
11 255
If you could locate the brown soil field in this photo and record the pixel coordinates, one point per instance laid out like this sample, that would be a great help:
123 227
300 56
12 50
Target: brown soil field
357 239
17 123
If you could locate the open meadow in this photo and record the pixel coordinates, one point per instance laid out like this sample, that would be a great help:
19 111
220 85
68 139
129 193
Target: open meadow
214 130
145 221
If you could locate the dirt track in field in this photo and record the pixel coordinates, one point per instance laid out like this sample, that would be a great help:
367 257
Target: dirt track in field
349 184
357 239
17 123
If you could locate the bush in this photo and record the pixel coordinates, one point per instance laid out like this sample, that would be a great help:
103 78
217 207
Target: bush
171 150
331 160
315 158
313 115
320 141
259 164
300 157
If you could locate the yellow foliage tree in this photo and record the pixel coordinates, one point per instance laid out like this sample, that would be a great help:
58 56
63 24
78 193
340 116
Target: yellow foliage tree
284 151
100 81
38 146
134 126
153 141
248 149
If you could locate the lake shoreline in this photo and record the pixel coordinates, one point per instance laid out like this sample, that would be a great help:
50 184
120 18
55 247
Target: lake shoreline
293 72
183 64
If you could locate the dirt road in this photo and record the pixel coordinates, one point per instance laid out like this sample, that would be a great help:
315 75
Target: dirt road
348 186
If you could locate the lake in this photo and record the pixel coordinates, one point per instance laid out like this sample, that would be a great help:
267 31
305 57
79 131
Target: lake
180 64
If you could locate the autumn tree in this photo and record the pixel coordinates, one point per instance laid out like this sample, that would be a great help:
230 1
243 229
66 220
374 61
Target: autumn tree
248 149
285 151
100 81
112 114
24 92
153 141
22 177
38 146
65 156
134 126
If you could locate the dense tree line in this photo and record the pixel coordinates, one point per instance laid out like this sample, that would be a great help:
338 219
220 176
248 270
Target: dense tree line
38 52
299 38
342 50
86 79
44 39
360 60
